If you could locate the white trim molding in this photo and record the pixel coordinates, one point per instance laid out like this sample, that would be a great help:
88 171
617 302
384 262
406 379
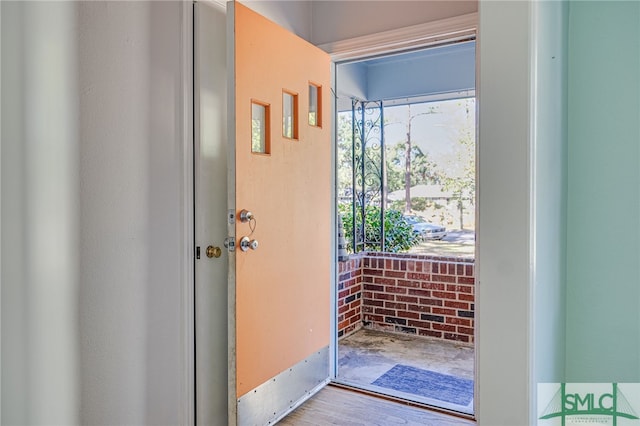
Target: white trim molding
188 273
447 30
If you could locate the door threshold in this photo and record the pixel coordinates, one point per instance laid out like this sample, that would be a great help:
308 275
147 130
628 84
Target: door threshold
404 401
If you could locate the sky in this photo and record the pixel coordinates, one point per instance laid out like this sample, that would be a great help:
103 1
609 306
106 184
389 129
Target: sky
436 134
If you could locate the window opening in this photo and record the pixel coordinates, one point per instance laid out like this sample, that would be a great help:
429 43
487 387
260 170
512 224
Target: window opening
315 105
407 176
289 115
260 138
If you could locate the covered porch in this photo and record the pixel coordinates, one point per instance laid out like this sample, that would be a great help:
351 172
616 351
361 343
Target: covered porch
406 327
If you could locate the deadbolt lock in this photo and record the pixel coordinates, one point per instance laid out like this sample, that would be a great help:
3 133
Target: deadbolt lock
245 216
214 251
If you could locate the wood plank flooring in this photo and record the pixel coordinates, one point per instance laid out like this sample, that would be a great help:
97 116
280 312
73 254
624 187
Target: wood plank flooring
338 406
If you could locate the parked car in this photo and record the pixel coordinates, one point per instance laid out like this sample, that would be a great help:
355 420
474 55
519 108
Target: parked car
426 230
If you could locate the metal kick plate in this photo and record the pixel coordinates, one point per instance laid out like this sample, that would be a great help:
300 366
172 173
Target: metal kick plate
277 397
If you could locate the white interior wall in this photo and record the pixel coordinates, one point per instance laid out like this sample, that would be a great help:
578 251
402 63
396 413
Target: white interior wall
294 15
115 168
132 243
92 211
326 21
341 20
40 200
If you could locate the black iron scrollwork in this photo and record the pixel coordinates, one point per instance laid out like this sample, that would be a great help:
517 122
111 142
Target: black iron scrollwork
368 169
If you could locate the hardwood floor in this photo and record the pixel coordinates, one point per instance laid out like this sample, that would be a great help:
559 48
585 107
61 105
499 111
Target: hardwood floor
337 406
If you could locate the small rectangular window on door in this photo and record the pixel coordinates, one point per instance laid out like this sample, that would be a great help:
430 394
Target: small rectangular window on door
260 140
315 105
289 115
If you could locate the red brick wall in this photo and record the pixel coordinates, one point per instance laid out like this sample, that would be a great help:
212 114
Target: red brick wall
349 295
417 294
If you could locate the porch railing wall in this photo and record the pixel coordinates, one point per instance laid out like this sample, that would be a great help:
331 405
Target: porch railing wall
408 293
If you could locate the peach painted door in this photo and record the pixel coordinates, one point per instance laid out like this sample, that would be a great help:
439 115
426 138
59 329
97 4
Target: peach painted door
280 276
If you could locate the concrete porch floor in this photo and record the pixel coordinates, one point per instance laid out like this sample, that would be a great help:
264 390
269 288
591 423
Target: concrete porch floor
367 354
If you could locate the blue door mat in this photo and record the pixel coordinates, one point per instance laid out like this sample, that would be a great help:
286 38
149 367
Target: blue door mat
426 383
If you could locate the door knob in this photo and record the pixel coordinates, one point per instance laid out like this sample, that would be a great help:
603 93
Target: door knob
246 244
214 251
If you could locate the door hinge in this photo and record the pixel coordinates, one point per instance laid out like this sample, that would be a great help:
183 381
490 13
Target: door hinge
230 243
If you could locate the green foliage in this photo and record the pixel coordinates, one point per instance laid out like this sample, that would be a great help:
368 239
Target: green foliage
463 186
455 172
419 204
398 233
423 169
396 205
345 140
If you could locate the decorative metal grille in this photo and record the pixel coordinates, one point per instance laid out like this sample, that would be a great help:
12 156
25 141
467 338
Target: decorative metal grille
368 178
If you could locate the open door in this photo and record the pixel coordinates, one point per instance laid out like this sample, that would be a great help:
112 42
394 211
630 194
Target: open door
280 246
